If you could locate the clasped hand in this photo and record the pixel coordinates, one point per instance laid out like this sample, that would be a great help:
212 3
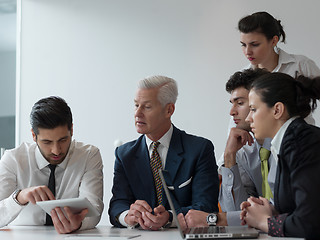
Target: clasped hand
255 212
140 212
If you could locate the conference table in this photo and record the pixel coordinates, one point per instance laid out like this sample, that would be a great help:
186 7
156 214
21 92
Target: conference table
98 233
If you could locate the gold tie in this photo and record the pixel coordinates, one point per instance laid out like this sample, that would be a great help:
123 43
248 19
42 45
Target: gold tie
264 156
156 164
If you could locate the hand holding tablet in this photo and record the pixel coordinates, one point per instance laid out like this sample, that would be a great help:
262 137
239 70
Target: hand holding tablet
76 205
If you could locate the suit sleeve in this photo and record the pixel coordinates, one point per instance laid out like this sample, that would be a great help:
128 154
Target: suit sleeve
122 196
302 164
205 183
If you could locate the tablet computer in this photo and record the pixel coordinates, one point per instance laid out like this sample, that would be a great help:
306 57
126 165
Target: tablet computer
75 204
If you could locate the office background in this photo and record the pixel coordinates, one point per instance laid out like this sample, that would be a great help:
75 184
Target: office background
7 72
92 53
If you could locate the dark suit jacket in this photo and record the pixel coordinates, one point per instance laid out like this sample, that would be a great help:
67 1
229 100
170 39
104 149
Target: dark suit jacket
189 157
297 186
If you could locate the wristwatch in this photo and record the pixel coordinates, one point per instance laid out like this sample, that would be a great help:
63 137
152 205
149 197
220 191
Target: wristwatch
14 196
212 219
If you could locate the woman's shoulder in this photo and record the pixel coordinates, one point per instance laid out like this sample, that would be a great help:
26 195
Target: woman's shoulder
300 129
292 63
301 137
298 58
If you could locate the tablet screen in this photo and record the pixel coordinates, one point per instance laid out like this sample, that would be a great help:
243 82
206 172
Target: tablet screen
76 205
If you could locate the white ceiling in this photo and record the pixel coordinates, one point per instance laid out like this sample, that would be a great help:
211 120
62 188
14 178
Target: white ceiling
8 25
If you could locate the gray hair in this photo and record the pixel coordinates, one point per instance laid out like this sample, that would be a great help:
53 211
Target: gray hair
168 89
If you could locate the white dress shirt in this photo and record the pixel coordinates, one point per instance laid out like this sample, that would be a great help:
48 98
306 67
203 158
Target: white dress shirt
79 175
291 63
163 151
277 139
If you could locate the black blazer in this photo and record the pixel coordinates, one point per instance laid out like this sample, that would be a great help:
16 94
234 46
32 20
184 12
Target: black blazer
190 163
297 185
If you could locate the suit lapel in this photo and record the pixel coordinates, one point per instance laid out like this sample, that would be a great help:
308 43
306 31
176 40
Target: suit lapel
142 167
174 157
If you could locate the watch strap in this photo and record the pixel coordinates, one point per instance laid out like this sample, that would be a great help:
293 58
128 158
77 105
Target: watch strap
14 196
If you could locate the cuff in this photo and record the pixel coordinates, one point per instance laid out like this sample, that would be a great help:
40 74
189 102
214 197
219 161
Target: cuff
13 203
275 225
233 218
122 222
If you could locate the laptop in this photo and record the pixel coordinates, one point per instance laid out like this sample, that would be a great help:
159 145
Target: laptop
210 232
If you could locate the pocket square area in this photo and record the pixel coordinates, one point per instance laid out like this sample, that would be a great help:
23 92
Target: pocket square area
185 183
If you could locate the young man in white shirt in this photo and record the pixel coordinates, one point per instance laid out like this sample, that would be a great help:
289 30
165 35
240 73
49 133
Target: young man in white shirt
25 172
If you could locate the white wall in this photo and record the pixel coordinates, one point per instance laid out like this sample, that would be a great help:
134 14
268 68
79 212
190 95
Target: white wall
92 53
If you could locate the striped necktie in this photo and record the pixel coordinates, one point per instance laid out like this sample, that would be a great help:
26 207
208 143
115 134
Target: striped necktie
156 164
264 156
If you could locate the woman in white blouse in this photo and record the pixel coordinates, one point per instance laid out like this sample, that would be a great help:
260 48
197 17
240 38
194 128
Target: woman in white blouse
259 35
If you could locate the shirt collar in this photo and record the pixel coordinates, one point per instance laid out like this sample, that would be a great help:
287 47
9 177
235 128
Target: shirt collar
267 143
42 162
164 140
276 141
284 58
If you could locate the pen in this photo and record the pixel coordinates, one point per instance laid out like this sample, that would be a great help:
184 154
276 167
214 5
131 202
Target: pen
134 236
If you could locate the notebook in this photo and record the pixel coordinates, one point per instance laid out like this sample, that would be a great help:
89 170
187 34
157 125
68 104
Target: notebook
210 232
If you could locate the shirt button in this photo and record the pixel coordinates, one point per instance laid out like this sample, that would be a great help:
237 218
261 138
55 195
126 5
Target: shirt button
230 176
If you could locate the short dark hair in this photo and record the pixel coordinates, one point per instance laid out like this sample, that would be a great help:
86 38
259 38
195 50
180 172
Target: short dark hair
244 78
295 93
262 22
50 113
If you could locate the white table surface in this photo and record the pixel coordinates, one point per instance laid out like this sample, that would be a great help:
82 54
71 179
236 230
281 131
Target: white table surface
101 232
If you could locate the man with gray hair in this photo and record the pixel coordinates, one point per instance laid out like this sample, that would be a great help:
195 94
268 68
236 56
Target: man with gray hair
138 197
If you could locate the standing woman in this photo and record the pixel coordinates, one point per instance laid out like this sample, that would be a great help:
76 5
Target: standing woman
278 104
259 35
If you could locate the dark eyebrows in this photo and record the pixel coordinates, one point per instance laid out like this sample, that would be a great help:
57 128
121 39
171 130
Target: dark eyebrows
236 99
47 140
252 42
63 138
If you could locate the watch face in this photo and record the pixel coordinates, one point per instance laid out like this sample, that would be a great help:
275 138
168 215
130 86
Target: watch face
212 218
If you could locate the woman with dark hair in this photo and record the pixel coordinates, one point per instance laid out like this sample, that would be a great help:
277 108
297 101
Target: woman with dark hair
278 104
260 33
